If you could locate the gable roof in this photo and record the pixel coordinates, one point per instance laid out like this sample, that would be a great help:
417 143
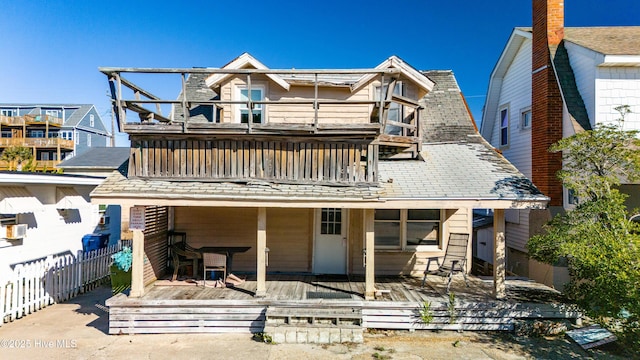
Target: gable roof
242 62
609 40
457 166
394 62
98 158
78 115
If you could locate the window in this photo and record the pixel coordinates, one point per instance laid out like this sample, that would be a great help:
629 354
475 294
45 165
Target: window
8 219
92 121
401 229
67 135
257 94
8 112
88 139
6 134
76 136
52 113
36 133
525 119
44 156
331 222
395 110
504 127
572 199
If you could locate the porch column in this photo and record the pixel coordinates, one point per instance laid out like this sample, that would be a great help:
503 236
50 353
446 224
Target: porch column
261 247
137 264
499 255
369 246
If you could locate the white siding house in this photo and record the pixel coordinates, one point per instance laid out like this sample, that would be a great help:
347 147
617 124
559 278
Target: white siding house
597 69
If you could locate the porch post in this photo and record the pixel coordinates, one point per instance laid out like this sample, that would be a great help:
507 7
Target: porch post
499 255
261 246
369 246
137 264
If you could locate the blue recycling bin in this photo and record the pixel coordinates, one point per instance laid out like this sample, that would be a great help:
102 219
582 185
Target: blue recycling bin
92 242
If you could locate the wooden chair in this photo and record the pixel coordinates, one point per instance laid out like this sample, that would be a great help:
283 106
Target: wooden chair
181 257
454 261
214 262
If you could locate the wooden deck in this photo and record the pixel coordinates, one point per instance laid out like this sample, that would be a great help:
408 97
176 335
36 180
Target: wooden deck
187 306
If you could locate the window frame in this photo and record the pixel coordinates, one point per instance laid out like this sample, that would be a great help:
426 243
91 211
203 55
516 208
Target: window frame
240 107
523 112
76 137
92 120
398 90
504 129
88 139
403 223
8 112
52 112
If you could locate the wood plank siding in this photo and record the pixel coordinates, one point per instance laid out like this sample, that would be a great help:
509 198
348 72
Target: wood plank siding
155 243
348 162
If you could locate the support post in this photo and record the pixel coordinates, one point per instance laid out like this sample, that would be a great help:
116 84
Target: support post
261 247
369 245
137 264
499 255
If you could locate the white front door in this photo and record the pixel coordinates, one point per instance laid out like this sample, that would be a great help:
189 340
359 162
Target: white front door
330 247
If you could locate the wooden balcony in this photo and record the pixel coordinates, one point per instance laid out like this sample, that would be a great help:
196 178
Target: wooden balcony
24 120
37 142
317 107
297 160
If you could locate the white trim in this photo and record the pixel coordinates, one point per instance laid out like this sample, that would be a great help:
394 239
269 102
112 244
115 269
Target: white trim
406 70
504 107
621 60
238 107
403 223
9 178
243 61
522 112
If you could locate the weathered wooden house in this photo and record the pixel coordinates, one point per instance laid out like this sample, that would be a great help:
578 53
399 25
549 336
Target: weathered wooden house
360 172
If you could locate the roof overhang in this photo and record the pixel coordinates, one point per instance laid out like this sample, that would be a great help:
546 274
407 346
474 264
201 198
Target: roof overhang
18 200
621 60
381 203
406 70
242 62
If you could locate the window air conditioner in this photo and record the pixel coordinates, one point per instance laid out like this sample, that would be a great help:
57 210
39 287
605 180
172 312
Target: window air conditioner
15 232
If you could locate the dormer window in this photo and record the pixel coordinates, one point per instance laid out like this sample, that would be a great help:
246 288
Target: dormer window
257 112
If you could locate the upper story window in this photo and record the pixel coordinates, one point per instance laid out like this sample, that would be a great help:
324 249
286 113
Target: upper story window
8 112
407 229
92 121
36 133
67 135
88 139
76 137
6 133
52 113
525 119
504 126
257 113
395 110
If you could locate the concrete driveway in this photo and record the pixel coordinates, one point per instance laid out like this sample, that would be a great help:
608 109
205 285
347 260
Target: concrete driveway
78 328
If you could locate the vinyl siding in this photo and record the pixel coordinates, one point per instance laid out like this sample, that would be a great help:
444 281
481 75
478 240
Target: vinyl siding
517 235
516 94
617 86
289 234
583 62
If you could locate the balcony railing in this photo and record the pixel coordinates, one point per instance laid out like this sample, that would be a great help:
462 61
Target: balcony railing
37 142
38 165
30 120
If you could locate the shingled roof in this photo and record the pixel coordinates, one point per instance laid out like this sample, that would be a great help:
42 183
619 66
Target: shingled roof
456 163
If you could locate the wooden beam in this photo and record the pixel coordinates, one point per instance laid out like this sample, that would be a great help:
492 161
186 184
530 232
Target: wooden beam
499 254
261 248
145 114
137 265
112 70
369 256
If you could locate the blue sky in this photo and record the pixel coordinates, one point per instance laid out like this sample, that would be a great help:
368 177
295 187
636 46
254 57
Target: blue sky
52 49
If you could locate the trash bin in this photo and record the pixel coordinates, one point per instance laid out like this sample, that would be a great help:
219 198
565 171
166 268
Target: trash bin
92 242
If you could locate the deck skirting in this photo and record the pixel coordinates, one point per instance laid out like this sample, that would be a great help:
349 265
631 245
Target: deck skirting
316 320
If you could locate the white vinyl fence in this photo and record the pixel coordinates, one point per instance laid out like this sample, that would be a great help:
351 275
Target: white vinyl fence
37 284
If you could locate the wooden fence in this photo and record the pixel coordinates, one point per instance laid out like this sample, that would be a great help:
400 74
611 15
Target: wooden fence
34 285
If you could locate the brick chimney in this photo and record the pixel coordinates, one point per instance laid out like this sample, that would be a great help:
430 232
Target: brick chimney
546 102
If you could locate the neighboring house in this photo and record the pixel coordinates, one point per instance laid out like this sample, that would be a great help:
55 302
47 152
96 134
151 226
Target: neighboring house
97 161
45 214
54 131
317 171
550 82
101 162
